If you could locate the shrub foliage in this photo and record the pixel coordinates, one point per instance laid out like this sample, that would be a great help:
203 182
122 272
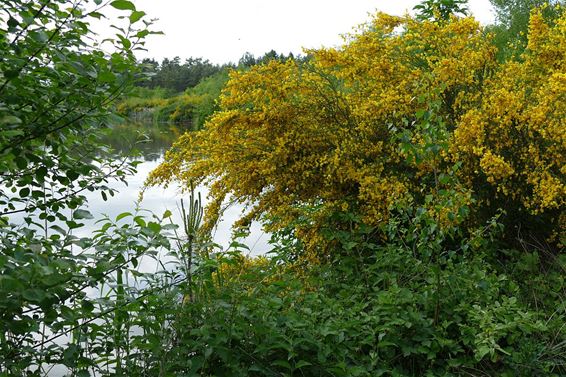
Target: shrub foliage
405 109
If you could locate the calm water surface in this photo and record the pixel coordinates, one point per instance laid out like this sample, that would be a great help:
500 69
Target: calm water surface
159 199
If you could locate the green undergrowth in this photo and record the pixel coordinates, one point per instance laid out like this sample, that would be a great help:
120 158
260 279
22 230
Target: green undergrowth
396 308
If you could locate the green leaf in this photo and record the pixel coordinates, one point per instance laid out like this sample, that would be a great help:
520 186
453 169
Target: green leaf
12 22
283 363
12 133
123 5
444 179
41 173
106 77
71 354
73 225
34 295
155 227
10 284
68 313
123 215
302 363
82 214
24 192
125 42
58 229
96 15
72 174
21 163
142 33
9 120
87 306
39 36
481 351
140 221
136 16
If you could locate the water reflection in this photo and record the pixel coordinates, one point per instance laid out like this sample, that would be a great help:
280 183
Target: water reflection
157 139
150 140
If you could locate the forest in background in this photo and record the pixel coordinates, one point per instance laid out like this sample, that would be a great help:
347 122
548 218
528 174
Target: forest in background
412 179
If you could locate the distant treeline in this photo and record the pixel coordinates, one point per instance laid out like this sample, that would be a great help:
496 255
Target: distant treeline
177 76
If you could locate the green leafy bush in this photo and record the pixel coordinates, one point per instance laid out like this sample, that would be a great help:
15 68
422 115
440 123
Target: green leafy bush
378 309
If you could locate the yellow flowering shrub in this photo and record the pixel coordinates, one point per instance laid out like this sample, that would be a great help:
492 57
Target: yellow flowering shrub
240 265
515 140
326 133
495 168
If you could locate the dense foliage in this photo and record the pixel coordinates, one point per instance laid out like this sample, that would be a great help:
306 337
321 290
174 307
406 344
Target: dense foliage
378 310
173 75
413 180
415 186
513 17
177 77
55 93
189 109
393 117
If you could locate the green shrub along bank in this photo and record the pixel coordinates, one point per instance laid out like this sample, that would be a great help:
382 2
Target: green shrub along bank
417 305
190 109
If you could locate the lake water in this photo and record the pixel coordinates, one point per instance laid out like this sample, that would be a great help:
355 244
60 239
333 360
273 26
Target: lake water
159 199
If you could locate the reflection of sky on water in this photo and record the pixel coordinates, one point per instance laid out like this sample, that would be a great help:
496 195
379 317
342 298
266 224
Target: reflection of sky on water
158 200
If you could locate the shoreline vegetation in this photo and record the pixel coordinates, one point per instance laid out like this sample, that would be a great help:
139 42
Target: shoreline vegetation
412 180
185 94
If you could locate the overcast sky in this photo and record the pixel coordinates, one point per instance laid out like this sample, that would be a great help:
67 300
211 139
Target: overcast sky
223 30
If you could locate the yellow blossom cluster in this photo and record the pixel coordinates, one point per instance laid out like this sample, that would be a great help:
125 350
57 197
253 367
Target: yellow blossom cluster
325 133
239 265
495 168
515 139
